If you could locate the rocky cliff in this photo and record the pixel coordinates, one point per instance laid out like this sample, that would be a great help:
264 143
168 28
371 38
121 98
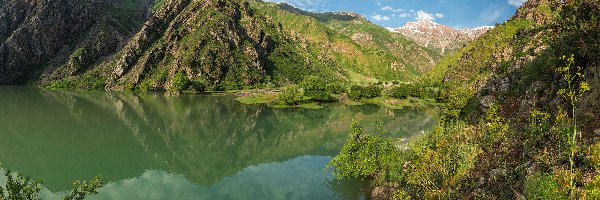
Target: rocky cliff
44 39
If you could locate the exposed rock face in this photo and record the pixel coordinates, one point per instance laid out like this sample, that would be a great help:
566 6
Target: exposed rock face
430 34
39 37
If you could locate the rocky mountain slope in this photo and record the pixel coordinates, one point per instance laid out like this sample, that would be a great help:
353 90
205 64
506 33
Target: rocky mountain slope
44 39
433 35
217 44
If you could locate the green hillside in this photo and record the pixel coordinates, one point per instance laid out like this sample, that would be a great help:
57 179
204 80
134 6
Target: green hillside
520 116
229 45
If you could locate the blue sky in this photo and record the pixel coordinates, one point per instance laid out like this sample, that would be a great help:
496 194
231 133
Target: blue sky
395 13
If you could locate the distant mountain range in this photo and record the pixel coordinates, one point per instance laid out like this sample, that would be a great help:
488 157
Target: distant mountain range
433 35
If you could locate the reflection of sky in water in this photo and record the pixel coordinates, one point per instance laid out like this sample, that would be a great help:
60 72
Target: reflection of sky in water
299 178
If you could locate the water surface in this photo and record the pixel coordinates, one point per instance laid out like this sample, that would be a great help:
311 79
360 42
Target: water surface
184 147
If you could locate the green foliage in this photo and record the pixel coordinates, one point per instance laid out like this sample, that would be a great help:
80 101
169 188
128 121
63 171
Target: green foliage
457 99
439 160
400 195
357 92
592 189
404 91
91 80
336 88
180 82
574 87
83 189
19 187
316 88
371 91
494 126
543 186
594 156
290 95
364 155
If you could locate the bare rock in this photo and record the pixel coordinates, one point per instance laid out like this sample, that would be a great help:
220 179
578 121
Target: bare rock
384 192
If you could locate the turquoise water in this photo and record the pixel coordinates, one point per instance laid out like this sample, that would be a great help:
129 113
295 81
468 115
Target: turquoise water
184 147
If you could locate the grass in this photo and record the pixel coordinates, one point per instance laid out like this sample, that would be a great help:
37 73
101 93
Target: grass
258 98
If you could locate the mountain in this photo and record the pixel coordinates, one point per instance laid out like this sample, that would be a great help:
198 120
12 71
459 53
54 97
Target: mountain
43 39
506 86
433 35
516 60
217 44
371 36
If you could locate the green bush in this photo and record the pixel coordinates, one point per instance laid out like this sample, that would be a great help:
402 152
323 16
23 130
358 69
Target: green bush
400 195
290 95
541 186
357 92
315 88
594 156
364 155
336 88
371 91
592 189
404 91
180 83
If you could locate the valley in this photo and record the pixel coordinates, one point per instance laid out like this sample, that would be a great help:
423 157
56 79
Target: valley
234 99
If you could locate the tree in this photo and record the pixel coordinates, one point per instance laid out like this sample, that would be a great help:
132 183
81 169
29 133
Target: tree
316 88
290 95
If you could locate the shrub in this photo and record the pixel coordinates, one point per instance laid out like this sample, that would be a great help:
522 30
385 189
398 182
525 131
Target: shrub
440 160
290 95
400 195
315 88
403 91
336 88
180 83
541 186
592 189
355 93
371 91
364 155
594 156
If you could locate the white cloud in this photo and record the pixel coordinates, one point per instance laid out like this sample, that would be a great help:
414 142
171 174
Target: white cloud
516 3
404 15
422 15
439 15
387 8
380 18
392 9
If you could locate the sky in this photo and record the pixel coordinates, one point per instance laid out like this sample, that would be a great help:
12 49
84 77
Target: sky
395 13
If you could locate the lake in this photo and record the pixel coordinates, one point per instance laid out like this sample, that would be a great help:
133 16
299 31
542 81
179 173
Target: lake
154 146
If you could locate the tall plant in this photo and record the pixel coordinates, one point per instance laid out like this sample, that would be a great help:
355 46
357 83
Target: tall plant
574 87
